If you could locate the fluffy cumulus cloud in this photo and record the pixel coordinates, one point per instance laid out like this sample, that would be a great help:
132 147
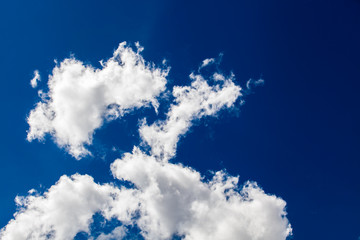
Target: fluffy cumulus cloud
161 199
167 200
81 97
67 208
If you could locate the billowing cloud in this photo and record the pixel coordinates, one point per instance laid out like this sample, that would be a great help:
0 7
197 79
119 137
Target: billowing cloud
176 200
66 209
160 198
81 97
167 200
34 81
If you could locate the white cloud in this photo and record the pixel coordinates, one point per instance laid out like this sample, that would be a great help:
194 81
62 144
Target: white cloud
218 77
165 199
117 233
176 200
207 62
254 83
66 209
191 102
34 81
168 199
80 97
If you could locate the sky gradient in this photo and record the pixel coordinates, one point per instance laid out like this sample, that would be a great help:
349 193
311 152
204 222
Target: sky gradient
297 136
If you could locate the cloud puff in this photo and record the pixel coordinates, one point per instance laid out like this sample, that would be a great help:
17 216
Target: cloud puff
160 198
34 81
167 200
176 200
66 209
191 102
207 62
117 233
80 97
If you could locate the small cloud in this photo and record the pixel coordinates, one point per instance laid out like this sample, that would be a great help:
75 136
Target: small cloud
254 83
218 77
207 62
35 80
31 191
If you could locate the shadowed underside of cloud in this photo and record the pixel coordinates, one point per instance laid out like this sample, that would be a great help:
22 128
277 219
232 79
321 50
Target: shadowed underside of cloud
164 199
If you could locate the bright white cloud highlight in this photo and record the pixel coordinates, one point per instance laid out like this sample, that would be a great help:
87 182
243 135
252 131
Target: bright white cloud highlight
34 81
164 199
81 97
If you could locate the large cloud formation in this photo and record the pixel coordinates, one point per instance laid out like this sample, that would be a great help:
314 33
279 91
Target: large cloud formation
80 97
162 199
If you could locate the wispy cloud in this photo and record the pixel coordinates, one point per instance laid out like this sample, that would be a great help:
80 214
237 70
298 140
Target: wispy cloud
34 81
191 102
254 83
207 62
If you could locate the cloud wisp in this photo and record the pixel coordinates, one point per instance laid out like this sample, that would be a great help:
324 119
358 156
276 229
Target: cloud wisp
191 102
34 81
162 199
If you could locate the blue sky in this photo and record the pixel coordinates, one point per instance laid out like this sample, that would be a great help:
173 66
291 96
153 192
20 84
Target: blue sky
297 136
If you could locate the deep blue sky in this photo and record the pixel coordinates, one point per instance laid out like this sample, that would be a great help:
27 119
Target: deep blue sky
298 136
